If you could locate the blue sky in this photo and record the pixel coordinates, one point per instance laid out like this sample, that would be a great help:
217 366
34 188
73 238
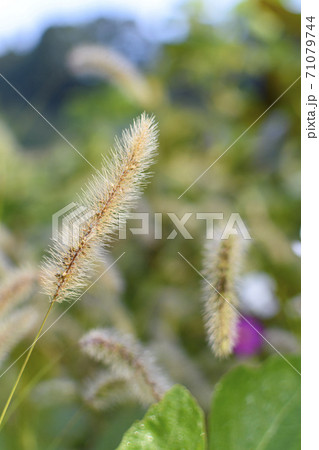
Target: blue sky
23 21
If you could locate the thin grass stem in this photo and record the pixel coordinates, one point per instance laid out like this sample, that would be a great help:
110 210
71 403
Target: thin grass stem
24 365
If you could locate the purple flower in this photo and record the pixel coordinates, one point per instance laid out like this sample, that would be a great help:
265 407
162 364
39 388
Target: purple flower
249 341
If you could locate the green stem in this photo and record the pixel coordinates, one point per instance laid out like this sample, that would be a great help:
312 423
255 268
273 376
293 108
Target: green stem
24 365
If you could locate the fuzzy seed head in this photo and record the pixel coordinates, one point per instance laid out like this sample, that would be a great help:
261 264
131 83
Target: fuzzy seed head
221 267
129 360
109 196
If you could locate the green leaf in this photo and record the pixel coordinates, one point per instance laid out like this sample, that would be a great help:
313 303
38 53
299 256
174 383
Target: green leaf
257 409
175 423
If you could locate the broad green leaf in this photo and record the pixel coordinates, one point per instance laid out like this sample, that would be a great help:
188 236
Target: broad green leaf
257 408
175 423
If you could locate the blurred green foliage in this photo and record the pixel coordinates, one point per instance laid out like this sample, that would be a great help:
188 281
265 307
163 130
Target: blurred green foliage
206 89
162 428
272 390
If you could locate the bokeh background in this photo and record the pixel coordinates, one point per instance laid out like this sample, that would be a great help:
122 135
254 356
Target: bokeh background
207 72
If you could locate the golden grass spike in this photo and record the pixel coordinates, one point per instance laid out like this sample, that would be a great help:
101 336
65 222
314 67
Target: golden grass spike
221 266
129 360
108 197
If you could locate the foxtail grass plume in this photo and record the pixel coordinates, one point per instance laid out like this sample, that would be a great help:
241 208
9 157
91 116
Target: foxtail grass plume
221 267
16 288
127 359
109 64
14 327
109 196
